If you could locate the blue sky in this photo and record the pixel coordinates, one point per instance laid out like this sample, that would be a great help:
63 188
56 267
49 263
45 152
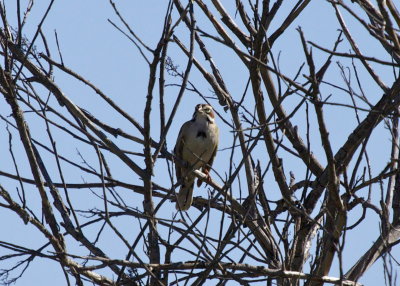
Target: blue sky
93 48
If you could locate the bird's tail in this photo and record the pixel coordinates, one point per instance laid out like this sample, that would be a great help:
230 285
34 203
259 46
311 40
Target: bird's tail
184 198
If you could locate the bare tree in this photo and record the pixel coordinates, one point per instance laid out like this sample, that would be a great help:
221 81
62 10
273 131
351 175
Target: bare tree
296 185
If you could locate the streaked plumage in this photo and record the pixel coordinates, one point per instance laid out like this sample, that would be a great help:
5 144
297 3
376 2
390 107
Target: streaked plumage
196 145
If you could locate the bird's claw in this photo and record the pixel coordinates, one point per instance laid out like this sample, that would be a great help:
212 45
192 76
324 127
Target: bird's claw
207 179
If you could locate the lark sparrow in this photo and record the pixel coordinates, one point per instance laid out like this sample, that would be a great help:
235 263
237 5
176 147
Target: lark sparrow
196 146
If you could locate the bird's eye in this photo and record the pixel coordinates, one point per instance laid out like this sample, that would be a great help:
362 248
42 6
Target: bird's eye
207 110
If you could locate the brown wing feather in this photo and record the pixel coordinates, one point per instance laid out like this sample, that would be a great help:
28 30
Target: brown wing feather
179 148
206 169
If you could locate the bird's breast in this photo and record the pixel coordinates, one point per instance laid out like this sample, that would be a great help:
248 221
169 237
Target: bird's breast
202 134
200 143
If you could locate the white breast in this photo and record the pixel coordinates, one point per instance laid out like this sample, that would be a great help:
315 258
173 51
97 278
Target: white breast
200 143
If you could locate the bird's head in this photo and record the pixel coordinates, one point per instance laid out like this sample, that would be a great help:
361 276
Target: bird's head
205 112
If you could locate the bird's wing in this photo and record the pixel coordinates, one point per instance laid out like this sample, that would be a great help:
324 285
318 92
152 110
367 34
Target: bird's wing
178 150
207 167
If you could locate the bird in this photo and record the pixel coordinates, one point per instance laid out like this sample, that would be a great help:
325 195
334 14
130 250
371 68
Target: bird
196 148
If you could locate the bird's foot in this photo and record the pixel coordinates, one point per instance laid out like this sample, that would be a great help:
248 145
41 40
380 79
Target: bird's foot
207 179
